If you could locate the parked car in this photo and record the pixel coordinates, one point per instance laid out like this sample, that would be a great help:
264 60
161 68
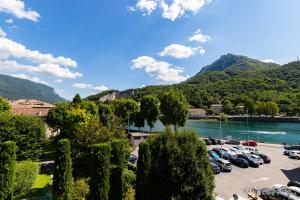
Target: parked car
233 142
240 162
277 194
220 142
224 165
295 191
252 162
265 158
132 158
295 154
221 153
242 150
215 167
207 141
213 154
294 183
252 150
250 143
257 158
230 152
214 141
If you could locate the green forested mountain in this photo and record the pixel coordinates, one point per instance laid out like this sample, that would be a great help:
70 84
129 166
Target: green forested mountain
240 80
16 88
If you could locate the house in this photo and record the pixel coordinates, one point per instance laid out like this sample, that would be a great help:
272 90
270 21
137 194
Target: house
108 97
217 107
138 137
31 107
196 112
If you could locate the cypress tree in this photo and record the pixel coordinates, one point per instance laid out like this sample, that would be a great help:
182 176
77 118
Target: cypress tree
99 185
62 188
116 175
143 172
7 169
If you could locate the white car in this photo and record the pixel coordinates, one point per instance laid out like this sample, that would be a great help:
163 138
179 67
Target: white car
252 150
242 150
257 158
230 152
295 154
295 190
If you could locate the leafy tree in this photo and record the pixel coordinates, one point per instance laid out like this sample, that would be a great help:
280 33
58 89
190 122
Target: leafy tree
106 114
260 108
7 169
99 184
143 172
125 109
116 175
228 107
62 188
4 105
139 120
150 109
26 173
272 108
174 108
77 99
27 132
249 106
90 107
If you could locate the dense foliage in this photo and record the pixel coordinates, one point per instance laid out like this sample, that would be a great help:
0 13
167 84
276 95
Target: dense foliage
4 105
99 184
180 168
26 174
150 109
15 88
27 132
7 169
62 188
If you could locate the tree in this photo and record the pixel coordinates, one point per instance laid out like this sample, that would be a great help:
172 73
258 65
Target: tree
260 108
228 107
272 108
143 172
77 99
27 132
139 120
116 175
106 114
99 184
150 109
62 176
7 169
174 109
4 105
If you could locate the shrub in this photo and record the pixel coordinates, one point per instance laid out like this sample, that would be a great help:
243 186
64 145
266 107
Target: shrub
80 189
26 173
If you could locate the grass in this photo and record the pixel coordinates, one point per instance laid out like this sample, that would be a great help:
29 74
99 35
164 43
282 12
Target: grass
40 189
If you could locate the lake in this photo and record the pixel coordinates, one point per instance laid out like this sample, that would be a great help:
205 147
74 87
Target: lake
272 132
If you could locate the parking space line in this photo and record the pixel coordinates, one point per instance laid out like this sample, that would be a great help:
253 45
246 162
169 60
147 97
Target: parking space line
260 179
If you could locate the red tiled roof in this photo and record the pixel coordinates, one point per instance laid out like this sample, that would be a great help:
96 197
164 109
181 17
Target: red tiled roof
30 107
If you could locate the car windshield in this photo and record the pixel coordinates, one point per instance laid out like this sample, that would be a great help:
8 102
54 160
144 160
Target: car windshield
215 155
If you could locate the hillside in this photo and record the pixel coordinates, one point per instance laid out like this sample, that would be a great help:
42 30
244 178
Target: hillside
239 79
16 88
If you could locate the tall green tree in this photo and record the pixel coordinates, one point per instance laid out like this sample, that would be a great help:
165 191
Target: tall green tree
106 114
4 105
99 184
77 99
62 177
272 108
150 109
7 169
116 175
139 120
174 109
143 172
228 107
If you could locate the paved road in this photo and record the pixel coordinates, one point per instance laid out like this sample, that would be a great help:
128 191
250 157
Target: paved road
281 170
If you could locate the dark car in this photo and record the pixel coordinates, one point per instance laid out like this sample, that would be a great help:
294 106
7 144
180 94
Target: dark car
222 153
251 161
208 141
277 194
240 162
265 158
233 142
213 154
294 183
214 141
215 167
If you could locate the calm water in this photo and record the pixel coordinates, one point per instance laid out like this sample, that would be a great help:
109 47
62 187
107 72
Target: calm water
271 132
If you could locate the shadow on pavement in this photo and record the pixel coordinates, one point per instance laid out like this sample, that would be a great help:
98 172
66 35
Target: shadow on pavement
293 174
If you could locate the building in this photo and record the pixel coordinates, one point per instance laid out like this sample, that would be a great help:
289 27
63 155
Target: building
196 112
217 107
137 138
108 97
30 107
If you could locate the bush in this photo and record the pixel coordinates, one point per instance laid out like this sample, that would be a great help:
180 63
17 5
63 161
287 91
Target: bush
26 173
81 189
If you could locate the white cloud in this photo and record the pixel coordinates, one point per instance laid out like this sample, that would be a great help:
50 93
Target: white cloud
9 21
181 51
172 9
2 33
9 48
33 79
269 60
58 91
163 72
17 8
146 6
59 81
99 88
199 37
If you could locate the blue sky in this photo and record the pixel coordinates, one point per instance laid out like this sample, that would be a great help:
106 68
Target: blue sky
119 44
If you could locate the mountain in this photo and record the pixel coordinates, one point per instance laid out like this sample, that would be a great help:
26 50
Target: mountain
238 79
15 88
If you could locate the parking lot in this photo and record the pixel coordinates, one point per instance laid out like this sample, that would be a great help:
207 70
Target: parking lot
240 181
